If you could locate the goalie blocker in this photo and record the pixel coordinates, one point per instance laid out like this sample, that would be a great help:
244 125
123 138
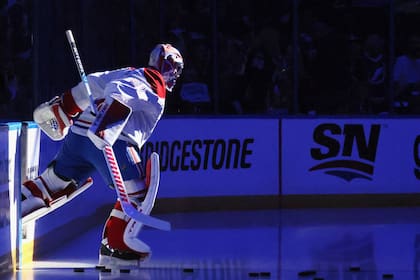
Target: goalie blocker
111 118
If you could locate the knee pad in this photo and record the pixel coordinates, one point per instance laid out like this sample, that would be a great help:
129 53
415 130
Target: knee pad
143 192
136 190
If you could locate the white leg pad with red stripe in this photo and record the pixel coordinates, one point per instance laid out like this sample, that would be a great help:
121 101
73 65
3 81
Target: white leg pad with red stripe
46 193
121 245
152 181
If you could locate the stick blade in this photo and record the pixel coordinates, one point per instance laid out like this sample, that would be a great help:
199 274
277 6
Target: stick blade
144 219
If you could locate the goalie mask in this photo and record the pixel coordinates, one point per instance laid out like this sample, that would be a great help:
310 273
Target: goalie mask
168 61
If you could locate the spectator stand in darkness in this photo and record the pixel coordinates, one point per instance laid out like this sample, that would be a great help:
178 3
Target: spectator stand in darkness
406 78
369 72
18 76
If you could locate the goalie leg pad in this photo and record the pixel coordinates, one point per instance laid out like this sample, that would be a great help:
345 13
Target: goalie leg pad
143 192
31 205
152 183
44 190
120 245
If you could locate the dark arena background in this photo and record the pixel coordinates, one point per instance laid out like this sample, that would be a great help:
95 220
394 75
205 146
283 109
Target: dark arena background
289 149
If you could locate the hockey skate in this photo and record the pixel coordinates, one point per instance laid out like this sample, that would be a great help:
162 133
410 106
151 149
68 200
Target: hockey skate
52 119
120 246
125 257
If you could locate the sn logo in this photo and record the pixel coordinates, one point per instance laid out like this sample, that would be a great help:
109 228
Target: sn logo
347 151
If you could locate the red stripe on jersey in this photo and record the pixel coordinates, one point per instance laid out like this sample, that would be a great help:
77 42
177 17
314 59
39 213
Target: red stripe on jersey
155 79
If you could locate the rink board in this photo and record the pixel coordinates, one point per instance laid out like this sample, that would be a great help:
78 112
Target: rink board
9 152
6 260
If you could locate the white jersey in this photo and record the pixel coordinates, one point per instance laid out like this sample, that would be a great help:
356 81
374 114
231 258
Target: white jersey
142 89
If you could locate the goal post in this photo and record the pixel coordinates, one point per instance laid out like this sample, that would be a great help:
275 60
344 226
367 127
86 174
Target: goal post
30 140
19 160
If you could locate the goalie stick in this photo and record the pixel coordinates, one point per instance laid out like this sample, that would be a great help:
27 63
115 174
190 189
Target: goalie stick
111 161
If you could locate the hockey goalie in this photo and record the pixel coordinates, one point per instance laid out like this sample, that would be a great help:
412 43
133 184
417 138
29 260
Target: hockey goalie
129 103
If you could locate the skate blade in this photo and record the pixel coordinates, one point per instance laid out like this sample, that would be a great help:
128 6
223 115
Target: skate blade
113 263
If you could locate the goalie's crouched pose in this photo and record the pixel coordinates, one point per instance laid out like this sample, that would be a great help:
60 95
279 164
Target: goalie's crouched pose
135 98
